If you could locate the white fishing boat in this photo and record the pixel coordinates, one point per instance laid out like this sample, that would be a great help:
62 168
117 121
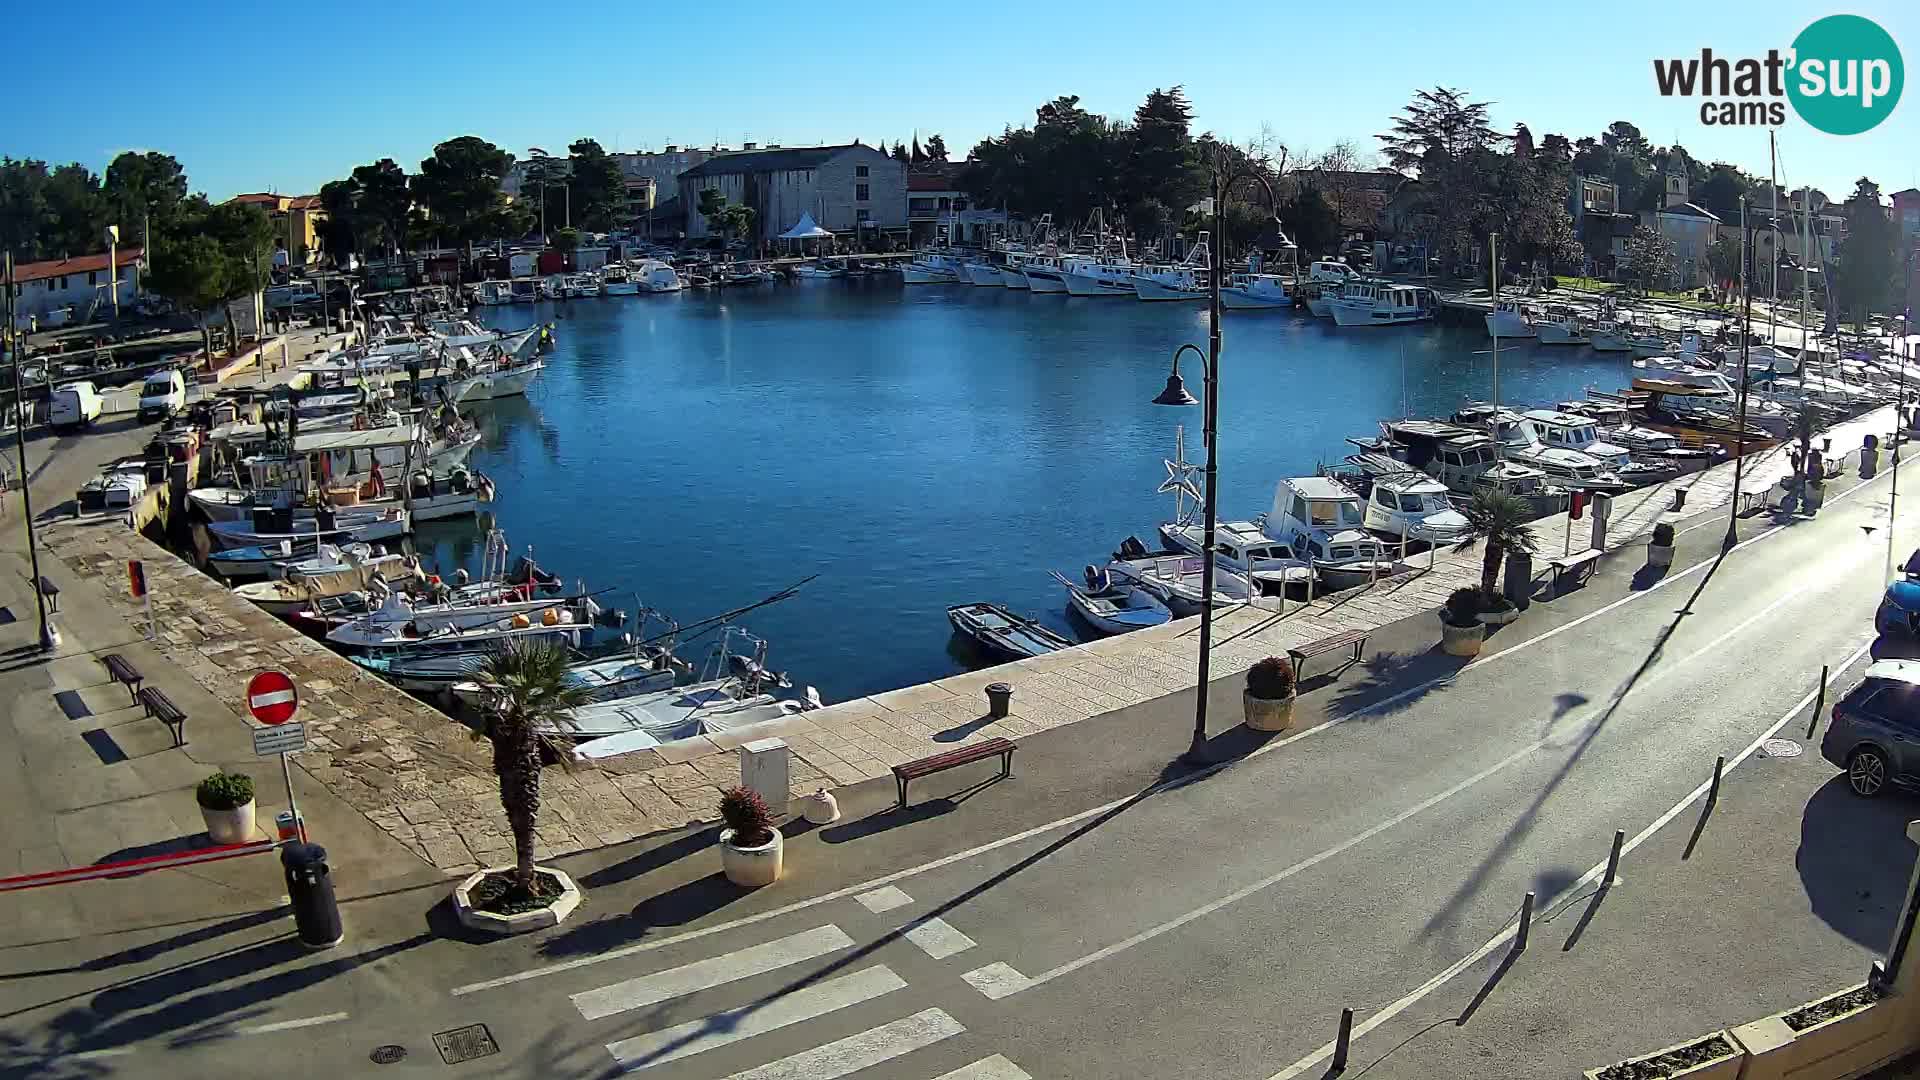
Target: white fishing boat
1325 279
1369 303
269 528
985 274
607 679
1413 506
1256 291
553 287
1464 459
1560 326
490 382
1044 274
616 281
1186 280
656 276
298 588
1113 607
818 270
491 293
1241 547
399 622
1089 275
1511 319
1575 432
934 268
1325 521
523 291
583 284
1176 577
1520 441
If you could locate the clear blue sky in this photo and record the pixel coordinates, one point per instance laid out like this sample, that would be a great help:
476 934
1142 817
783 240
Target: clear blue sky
286 98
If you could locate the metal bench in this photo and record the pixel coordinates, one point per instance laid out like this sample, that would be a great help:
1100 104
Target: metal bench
1575 568
122 671
52 592
927 766
1300 654
161 707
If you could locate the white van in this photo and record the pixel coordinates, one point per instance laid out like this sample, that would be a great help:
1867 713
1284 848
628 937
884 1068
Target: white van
74 404
163 394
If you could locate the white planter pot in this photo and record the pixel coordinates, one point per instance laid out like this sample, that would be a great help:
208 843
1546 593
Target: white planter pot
1499 618
820 808
229 826
1268 714
1461 640
751 867
1659 557
553 914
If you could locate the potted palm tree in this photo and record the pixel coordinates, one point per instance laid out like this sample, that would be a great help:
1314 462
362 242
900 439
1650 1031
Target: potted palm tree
524 690
1500 521
1660 546
751 849
1461 630
1269 695
226 805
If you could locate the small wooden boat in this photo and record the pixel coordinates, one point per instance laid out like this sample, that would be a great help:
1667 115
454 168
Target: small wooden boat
1113 608
1003 634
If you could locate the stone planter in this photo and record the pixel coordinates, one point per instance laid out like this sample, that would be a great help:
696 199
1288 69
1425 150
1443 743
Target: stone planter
820 808
751 867
1499 618
1812 497
233 826
1659 557
1724 1067
552 914
1461 640
1268 714
1842 1045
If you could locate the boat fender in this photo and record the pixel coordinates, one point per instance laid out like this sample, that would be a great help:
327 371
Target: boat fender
549 617
520 621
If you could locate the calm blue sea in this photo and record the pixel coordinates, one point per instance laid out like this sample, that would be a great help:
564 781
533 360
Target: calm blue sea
916 447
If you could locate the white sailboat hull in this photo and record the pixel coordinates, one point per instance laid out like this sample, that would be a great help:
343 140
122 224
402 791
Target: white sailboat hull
1012 278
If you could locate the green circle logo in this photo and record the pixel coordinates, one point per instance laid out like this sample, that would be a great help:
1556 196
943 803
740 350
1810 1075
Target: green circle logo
1846 74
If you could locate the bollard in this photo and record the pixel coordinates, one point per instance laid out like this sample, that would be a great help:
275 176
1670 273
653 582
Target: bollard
1613 859
316 914
1713 789
1819 703
1343 1041
999 700
1526 922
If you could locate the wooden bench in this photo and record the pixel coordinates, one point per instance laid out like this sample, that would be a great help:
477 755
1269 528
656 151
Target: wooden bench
52 592
1575 568
161 707
1300 654
927 766
122 671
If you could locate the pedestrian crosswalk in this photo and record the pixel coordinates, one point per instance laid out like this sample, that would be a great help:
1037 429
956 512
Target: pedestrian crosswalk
818 979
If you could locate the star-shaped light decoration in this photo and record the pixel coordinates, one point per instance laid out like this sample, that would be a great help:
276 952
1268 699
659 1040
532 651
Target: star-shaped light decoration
1179 479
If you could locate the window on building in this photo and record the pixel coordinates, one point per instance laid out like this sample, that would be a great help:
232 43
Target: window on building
863 215
860 170
859 193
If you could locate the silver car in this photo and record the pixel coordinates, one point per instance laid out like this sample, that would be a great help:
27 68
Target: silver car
1875 730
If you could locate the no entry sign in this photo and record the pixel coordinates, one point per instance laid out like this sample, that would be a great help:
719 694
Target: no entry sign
271 697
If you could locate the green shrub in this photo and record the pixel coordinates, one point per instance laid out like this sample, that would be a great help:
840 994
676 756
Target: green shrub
746 813
1271 679
1463 606
225 791
1493 601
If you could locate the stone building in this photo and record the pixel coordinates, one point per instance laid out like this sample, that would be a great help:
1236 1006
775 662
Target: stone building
848 189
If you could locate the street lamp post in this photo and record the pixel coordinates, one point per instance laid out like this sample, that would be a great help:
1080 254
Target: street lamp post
113 269
49 635
1176 394
1740 416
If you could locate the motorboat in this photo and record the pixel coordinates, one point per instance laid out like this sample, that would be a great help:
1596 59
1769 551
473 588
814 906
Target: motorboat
1465 459
616 281
818 270
1561 326
252 561
554 287
299 588
1325 279
1113 607
933 268
625 725
523 291
1325 521
1185 281
1044 273
1371 303
378 638
399 618
1003 634
1576 432
1256 291
493 381
657 276
1176 577
1520 441
583 284
1241 547
491 293
607 679
269 527
985 274
1511 319
1411 505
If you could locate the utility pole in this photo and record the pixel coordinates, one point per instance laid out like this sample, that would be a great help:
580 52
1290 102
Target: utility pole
1740 418
1900 404
49 635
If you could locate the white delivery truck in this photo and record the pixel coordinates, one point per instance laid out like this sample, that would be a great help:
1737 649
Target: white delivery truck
74 404
163 394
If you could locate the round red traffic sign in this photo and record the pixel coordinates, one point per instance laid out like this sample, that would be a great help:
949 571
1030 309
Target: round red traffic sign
271 697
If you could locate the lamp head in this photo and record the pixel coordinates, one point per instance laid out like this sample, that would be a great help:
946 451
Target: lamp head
1176 391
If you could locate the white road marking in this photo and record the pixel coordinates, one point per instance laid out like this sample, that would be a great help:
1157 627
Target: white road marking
884 899
997 981
103 1052
1588 878
856 1052
721 1029
938 939
990 1068
289 1025
1106 807
711 972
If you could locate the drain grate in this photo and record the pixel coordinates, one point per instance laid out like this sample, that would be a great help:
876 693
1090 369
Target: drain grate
388 1054
465 1043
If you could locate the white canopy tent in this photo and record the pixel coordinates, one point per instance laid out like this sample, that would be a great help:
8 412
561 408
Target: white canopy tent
806 229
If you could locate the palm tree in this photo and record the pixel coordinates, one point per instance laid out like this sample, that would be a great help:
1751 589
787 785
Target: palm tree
1501 520
526 688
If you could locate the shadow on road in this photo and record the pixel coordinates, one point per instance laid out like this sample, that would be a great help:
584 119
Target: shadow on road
1385 674
1853 860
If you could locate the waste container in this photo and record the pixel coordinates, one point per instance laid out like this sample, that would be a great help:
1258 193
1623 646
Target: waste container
999 700
316 914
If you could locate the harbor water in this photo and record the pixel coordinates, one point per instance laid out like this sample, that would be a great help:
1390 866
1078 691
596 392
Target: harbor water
918 447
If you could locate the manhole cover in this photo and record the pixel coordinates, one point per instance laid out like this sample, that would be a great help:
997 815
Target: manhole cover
1780 748
465 1043
388 1054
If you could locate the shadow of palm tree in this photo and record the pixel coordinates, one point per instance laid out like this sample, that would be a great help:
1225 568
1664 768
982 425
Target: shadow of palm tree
1386 675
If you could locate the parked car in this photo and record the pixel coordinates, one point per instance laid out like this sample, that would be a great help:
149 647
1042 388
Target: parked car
1899 612
162 394
1874 733
75 404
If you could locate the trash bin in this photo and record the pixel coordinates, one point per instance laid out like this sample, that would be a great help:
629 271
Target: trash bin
316 914
999 699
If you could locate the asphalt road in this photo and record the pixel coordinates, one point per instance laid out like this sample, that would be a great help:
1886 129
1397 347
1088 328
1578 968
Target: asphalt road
1211 925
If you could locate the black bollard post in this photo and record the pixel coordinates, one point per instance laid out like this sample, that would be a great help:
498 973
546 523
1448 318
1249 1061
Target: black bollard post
1819 703
1613 859
1343 1041
316 914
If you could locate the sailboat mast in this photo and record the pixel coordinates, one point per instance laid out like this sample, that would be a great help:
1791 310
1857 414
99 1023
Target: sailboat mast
1493 259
